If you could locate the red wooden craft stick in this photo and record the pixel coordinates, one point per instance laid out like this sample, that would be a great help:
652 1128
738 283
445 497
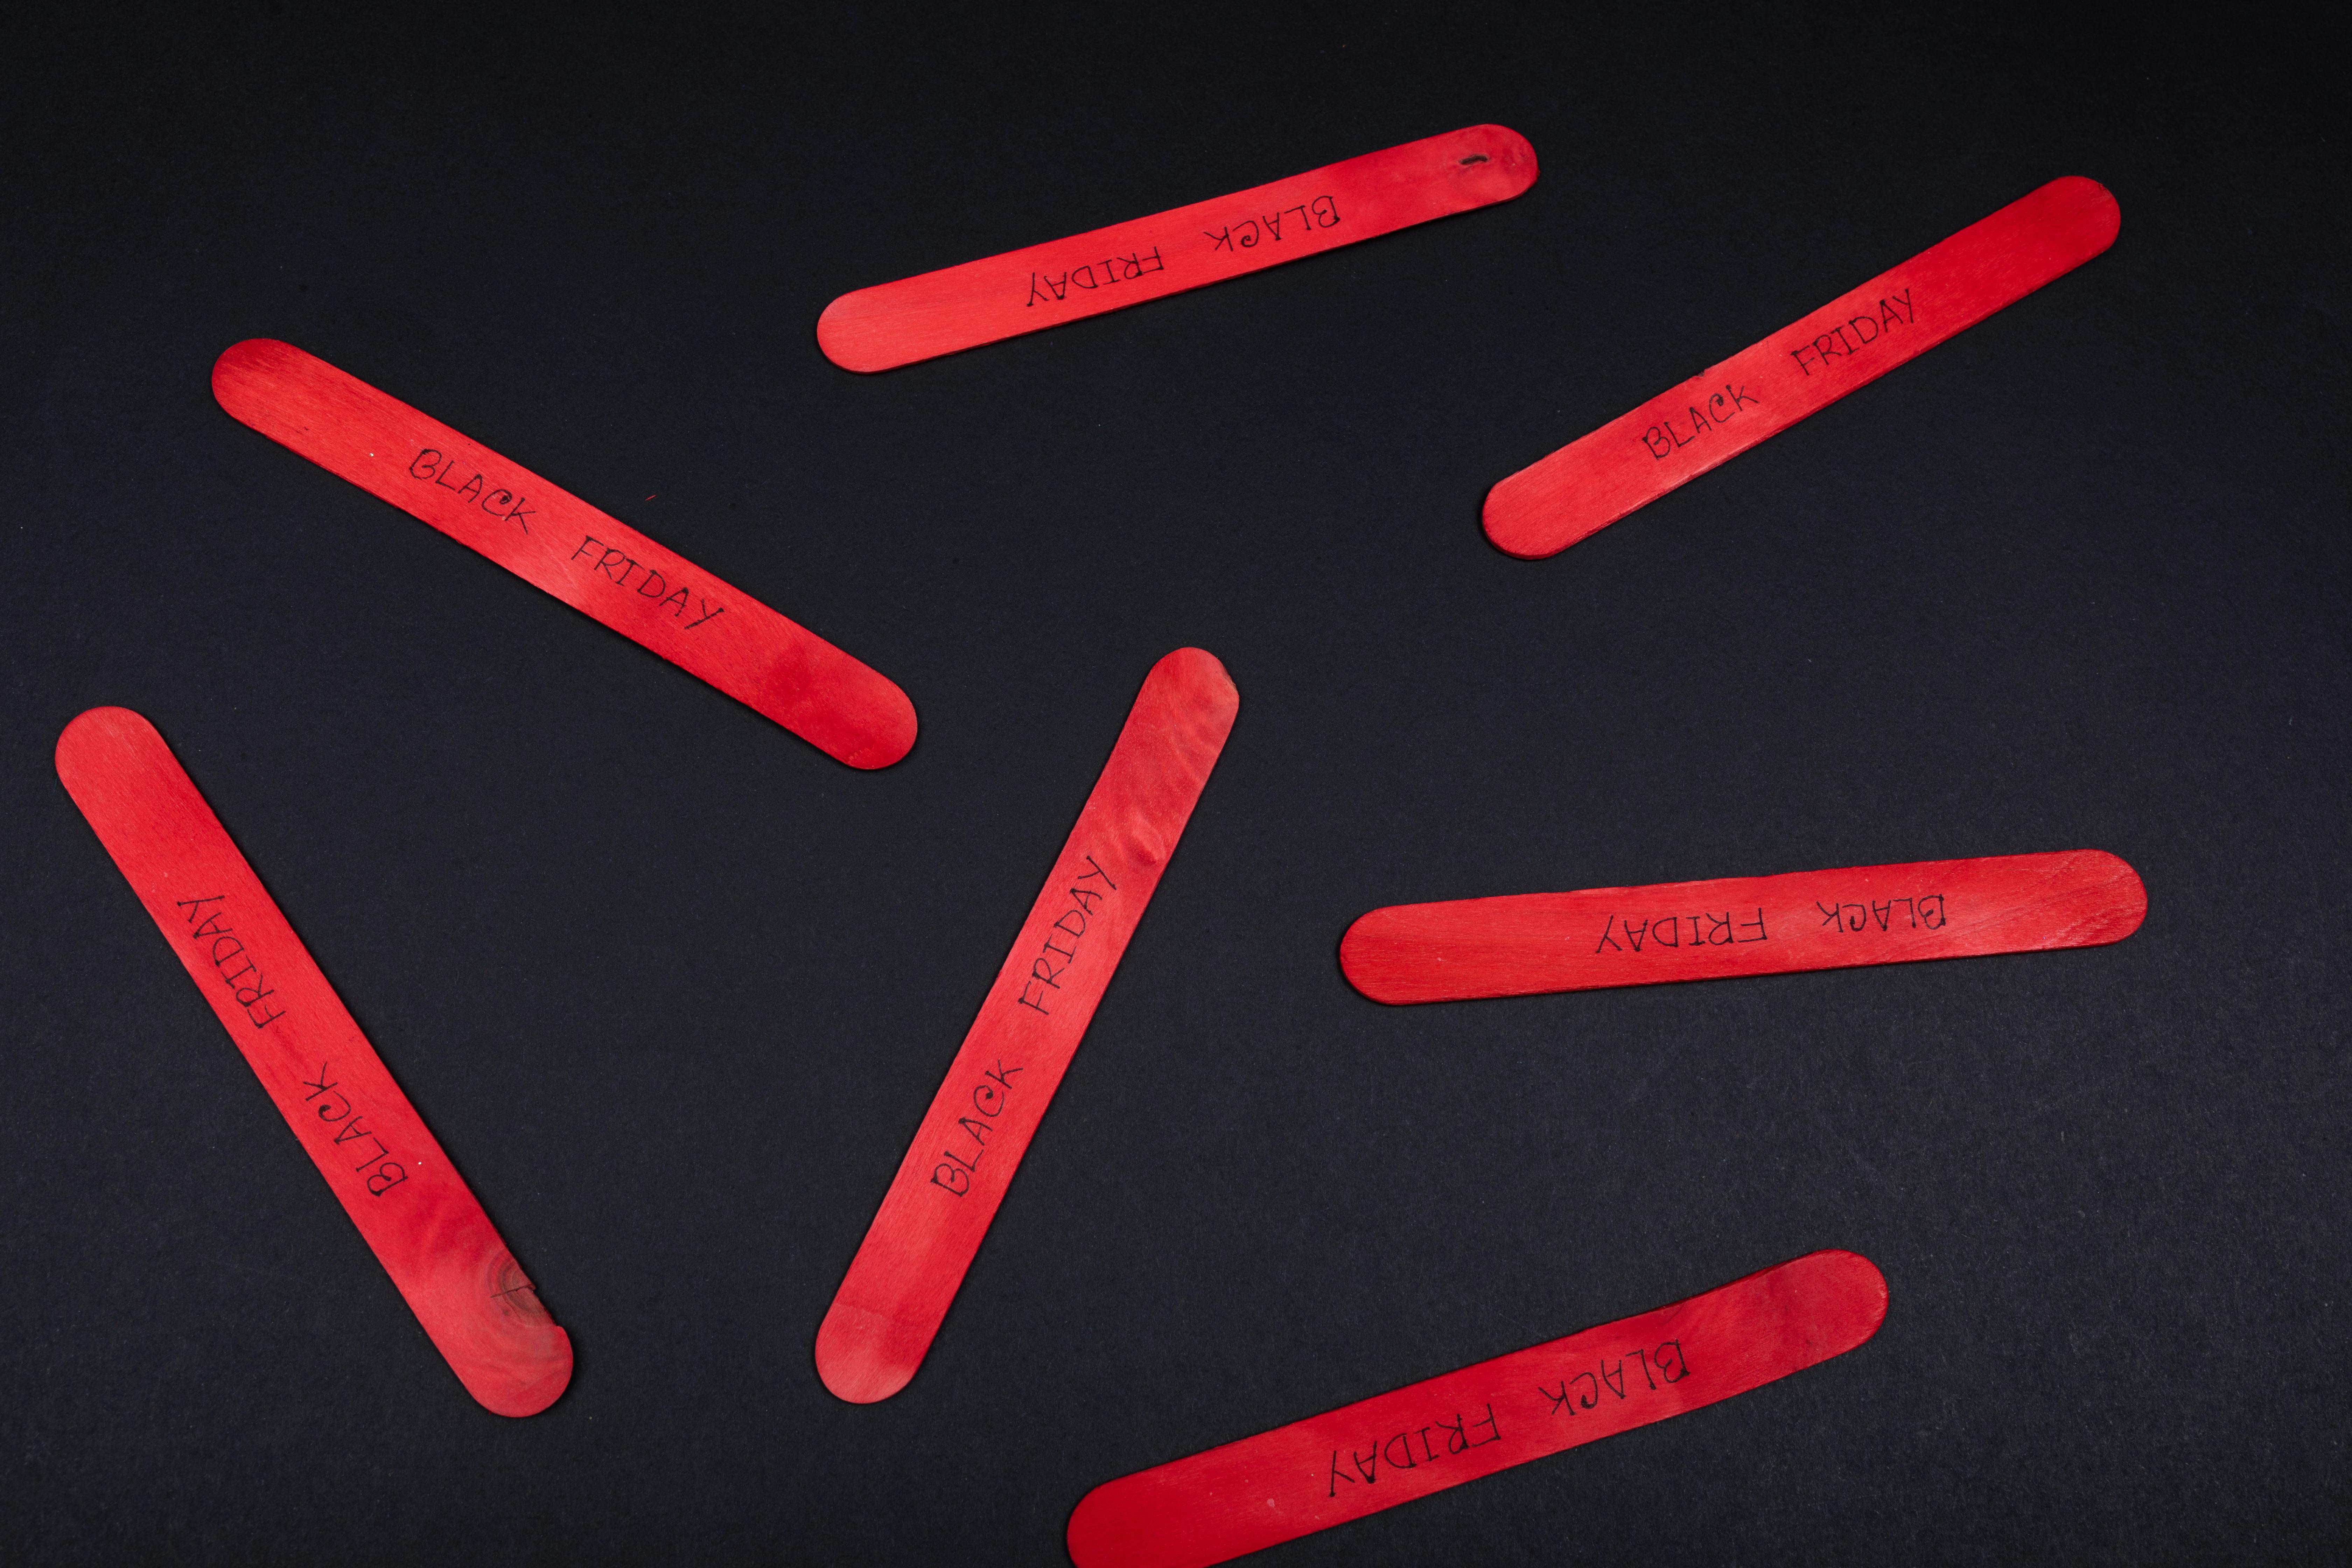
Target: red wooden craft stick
1533 942
1395 1447
1106 269
1761 391
948 1188
557 542
353 1120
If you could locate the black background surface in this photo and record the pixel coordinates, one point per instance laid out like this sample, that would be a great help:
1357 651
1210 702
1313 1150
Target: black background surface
673 988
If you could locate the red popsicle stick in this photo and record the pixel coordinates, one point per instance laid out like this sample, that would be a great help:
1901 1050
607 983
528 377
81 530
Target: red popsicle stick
1106 269
948 1188
557 542
1395 1447
353 1120
1533 942
1761 391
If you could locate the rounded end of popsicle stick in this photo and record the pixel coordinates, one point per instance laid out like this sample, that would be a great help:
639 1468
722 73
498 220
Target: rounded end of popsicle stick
242 367
2100 215
1522 518
1102 1534
865 1357
2126 903
846 709
847 336
859 717
98 738
1845 1300
1208 689
526 1388
1145 1521
1511 155
889 729
490 1324
1367 954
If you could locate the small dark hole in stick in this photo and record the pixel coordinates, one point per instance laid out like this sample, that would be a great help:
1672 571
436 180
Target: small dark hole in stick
1476 158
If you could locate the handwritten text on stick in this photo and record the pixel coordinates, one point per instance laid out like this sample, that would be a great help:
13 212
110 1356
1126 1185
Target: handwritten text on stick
1523 944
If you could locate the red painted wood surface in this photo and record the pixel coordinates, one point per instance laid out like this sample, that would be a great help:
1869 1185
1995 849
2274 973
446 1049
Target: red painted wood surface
1532 943
1849 343
947 1191
1104 270
552 540
1379 1452
379 1159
